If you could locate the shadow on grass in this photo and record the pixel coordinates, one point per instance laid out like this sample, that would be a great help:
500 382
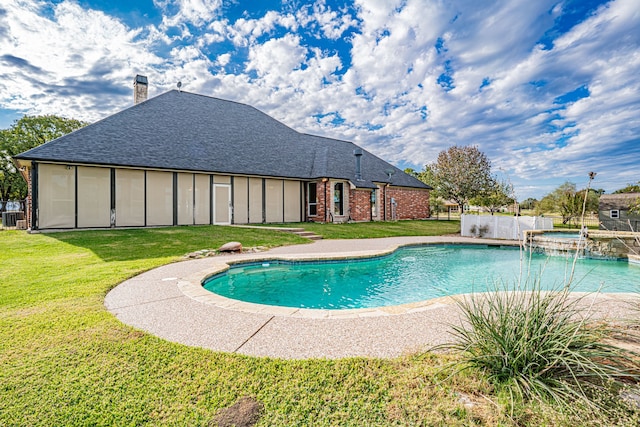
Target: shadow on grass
133 244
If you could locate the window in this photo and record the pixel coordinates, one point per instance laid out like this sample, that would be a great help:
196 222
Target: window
374 212
614 213
337 199
312 198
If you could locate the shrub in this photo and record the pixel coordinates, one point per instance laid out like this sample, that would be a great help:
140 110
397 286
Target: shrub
539 344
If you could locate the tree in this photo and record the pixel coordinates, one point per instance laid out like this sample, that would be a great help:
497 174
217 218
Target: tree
24 134
593 200
568 201
529 203
497 197
564 200
460 174
630 188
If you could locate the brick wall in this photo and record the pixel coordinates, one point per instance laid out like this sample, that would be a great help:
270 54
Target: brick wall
322 189
411 203
28 203
360 205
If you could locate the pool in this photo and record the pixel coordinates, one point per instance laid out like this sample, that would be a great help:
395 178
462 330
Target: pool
410 274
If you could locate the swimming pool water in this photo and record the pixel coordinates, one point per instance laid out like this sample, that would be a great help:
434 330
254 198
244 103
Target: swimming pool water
409 275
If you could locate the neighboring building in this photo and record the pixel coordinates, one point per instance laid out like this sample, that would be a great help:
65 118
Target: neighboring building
614 214
186 159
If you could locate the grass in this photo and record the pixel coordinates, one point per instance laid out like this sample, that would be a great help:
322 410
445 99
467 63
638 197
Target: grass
65 360
369 230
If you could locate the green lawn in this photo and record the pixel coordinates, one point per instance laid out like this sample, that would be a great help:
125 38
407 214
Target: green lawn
367 230
65 360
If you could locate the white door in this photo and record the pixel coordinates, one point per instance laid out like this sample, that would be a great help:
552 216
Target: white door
221 204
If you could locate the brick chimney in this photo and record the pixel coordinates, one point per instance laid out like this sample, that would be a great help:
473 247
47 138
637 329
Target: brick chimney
140 89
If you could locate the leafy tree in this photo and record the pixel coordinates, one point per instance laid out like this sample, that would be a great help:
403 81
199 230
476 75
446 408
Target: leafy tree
497 197
24 134
593 200
529 203
630 188
426 176
460 174
567 201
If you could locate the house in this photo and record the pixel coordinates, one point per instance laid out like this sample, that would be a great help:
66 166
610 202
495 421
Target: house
614 213
186 159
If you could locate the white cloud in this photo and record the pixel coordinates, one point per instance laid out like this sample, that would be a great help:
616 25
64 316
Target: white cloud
274 59
74 62
194 12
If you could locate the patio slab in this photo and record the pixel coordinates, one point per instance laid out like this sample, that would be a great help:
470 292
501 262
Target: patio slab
169 302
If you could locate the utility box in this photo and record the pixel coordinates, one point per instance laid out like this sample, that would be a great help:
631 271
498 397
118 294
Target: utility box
10 219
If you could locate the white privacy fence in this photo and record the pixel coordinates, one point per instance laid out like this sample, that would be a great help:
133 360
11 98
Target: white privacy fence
502 227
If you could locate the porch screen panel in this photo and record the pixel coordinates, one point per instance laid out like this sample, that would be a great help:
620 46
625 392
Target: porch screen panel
203 199
129 198
56 196
292 201
185 199
222 204
273 200
159 198
94 197
255 200
240 200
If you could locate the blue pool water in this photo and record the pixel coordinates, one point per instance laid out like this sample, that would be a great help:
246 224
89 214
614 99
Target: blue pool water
561 235
409 275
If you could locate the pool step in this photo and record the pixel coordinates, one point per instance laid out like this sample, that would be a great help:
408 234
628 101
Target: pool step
295 230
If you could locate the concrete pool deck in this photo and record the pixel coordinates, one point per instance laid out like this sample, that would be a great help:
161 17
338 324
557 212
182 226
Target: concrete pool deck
170 303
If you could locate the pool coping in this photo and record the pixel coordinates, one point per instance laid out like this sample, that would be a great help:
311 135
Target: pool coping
169 302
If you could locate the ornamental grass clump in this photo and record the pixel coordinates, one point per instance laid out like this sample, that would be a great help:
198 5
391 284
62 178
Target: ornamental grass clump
540 345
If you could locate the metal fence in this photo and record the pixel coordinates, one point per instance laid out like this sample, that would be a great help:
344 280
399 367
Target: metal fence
575 223
12 214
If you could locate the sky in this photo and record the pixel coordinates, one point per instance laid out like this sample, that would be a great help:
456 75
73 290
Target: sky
549 90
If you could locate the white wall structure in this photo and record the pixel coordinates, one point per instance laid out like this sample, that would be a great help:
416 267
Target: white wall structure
502 227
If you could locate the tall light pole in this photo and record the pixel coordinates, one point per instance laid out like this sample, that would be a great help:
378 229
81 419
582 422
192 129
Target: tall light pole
592 176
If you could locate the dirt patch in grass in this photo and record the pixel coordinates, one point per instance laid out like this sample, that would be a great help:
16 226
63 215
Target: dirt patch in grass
245 412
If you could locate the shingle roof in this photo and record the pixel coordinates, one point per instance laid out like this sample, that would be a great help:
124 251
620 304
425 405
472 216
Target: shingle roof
185 131
620 201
